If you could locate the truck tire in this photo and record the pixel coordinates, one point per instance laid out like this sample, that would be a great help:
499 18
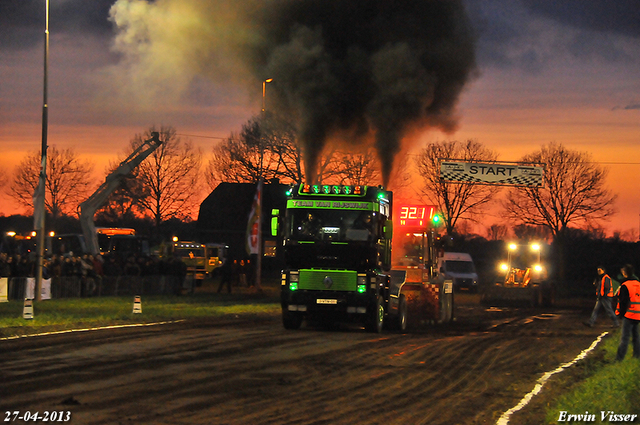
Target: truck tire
451 308
446 308
400 320
291 320
375 321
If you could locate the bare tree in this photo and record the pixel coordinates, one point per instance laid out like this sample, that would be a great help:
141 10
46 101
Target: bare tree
497 232
527 232
454 200
169 177
265 149
68 181
358 168
574 192
4 177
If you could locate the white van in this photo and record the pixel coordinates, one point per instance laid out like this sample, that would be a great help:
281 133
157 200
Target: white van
459 267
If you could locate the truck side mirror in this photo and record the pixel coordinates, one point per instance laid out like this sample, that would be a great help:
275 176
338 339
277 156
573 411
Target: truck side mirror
274 222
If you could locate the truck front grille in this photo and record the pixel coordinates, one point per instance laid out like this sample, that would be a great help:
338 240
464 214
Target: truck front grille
328 280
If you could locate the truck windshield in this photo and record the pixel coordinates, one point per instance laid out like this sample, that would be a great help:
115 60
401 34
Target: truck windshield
331 225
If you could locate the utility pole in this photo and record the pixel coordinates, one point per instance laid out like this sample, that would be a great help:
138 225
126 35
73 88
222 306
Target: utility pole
261 184
39 205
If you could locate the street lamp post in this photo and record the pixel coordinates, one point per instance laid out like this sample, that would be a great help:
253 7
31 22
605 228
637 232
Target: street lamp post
262 120
264 94
39 205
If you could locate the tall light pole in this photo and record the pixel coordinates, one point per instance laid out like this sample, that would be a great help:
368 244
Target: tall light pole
39 196
264 94
260 182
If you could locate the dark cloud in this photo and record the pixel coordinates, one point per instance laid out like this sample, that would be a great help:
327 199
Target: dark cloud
500 26
617 16
531 34
23 21
630 107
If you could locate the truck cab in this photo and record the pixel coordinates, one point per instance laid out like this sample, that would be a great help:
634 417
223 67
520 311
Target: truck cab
337 244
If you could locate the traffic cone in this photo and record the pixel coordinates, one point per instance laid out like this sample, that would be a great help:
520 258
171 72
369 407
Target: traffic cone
27 312
137 304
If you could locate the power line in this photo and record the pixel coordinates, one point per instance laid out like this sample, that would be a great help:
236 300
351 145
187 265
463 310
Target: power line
203 137
410 154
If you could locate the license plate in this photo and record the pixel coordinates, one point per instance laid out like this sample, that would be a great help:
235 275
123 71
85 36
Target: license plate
325 301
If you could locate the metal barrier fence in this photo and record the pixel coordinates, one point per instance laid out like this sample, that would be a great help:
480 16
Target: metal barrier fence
76 287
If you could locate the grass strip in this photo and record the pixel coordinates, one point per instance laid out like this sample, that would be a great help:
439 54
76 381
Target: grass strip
75 313
607 386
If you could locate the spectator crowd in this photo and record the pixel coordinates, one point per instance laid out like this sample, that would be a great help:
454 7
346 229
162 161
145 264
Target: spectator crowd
89 275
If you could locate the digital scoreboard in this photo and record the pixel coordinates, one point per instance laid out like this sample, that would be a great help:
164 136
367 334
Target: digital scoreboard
416 215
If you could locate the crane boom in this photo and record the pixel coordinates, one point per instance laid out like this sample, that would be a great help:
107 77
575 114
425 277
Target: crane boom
89 207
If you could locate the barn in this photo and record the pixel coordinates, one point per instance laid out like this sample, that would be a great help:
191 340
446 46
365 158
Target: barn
224 214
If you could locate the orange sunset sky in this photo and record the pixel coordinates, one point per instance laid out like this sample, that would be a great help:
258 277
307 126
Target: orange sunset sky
567 72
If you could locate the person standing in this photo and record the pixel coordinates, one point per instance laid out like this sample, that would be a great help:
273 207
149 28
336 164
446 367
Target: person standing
226 275
242 274
629 310
604 294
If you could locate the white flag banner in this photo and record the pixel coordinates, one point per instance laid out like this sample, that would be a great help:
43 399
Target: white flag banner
45 291
4 289
253 224
30 288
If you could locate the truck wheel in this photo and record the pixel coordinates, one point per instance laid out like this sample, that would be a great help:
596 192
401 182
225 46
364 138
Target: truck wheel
446 308
401 319
450 308
291 320
376 317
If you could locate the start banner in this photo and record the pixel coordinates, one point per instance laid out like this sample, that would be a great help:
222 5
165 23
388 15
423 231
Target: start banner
492 173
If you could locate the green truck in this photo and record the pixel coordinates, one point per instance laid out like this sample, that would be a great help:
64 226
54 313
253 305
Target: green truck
337 243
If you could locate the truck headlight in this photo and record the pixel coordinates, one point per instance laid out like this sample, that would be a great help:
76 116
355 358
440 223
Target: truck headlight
361 284
504 267
294 278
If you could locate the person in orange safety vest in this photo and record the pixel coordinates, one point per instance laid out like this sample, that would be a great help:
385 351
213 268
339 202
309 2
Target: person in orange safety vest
604 294
629 310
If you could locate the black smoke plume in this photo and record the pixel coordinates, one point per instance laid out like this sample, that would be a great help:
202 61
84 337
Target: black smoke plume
356 70
365 68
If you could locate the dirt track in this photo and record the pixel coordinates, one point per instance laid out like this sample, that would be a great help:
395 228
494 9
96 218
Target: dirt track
252 371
